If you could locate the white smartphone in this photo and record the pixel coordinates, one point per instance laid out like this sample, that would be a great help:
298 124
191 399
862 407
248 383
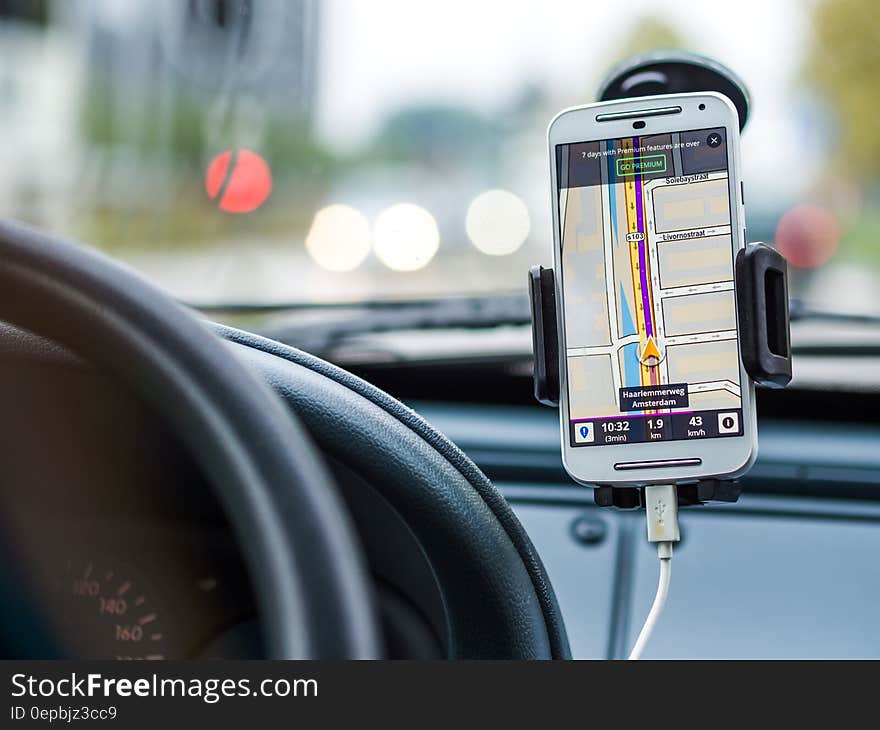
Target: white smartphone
648 217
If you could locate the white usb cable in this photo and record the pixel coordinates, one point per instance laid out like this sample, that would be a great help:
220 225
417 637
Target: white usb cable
661 508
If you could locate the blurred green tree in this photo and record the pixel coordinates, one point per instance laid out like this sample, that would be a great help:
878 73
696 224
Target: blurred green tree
650 33
843 63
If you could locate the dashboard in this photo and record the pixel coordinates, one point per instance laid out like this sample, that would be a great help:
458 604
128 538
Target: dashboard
788 572
112 539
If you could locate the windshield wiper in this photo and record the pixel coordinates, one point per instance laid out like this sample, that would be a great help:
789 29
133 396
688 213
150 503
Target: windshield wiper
351 320
340 322
799 311
836 342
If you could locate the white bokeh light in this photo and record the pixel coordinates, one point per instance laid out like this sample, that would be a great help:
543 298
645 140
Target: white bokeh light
405 237
497 222
339 239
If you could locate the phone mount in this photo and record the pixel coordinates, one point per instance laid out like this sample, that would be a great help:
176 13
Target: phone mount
674 72
760 272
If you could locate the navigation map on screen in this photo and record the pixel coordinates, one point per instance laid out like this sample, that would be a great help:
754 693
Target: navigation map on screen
647 266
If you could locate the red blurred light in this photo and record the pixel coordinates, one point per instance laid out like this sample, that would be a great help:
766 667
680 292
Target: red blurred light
245 187
808 236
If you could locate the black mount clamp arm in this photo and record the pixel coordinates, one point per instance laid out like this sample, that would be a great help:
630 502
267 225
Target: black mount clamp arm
545 336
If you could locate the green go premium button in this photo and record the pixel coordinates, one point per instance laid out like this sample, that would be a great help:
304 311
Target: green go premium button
628 166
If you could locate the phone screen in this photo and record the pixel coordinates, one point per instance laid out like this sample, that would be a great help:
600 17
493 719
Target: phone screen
651 340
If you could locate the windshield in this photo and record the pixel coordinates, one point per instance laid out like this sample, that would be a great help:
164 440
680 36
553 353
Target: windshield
264 151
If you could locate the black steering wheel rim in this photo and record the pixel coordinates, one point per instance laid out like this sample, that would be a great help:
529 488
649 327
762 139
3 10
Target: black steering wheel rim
308 575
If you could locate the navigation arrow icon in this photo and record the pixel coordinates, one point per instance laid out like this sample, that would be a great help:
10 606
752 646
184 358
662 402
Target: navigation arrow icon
650 354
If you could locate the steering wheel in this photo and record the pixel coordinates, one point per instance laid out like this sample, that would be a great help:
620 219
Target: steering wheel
309 579
312 590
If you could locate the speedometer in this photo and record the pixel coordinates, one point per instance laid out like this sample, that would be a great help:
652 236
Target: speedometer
142 593
108 612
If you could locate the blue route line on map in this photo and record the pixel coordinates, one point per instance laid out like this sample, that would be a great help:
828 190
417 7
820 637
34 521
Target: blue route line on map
626 320
632 373
611 193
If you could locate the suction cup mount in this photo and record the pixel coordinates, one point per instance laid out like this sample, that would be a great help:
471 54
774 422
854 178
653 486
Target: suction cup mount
674 72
